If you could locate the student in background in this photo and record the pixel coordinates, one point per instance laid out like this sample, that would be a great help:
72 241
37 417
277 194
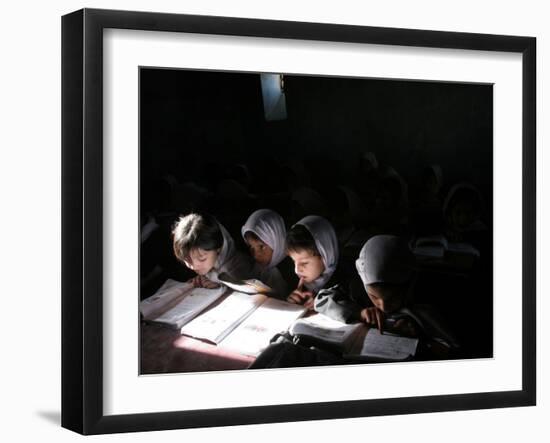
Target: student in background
305 201
366 179
202 244
463 209
391 206
264 232
312 245
427 207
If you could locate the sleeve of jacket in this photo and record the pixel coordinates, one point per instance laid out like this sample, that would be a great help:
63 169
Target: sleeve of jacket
334 302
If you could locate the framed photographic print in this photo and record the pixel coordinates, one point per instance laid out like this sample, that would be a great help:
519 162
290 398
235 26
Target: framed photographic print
281 212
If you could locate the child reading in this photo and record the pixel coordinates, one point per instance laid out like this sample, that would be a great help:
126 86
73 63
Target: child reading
202 244
385 267
264 232
312 245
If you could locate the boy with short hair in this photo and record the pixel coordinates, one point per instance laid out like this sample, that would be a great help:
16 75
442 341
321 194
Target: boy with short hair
202 244
313 246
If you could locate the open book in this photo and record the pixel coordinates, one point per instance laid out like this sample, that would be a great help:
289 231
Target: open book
244 323
377 347
354 341
251 286
438 247
325 331
176 303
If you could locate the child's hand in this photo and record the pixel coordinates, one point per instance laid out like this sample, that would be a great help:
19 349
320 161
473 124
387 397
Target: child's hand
374 317
200 281
406 327
195 281
209 284
310 301
300 297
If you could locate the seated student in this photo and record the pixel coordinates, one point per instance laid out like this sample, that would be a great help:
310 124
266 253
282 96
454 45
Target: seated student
385 268
264 232
312 245
366 178
204 246
463 208
391 206
306 201
426 206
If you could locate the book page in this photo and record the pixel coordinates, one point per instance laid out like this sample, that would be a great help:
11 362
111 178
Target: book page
324 328
215 324
165 295
388 347
193 303
251 286
254 334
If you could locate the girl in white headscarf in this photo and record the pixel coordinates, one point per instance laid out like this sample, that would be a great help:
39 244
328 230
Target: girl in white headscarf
205 246
264 232
313 246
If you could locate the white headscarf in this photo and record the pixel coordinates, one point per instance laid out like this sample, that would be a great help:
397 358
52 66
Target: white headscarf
384 259
270 228
327 244
229 260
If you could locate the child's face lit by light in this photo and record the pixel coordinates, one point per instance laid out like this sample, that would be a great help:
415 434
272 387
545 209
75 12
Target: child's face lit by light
261 252
307 265
385 299
201 261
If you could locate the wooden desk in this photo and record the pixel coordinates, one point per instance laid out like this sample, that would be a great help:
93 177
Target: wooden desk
164 350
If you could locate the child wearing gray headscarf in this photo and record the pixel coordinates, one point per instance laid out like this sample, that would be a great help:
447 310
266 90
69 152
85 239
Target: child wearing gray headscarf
264 232
385 267
313 246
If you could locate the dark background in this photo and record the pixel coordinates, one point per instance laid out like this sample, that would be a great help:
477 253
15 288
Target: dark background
205 145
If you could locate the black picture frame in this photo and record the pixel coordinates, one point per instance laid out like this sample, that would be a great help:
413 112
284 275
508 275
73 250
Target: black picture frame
82 218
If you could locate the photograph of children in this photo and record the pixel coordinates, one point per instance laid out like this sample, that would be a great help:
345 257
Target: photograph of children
356 201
